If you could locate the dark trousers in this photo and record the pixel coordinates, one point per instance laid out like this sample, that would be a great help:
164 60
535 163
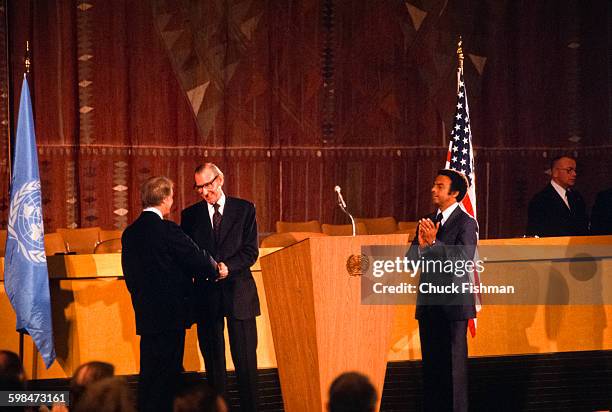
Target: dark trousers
161 364
444 352
243 346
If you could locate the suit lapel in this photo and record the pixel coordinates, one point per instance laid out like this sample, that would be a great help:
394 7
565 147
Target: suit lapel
449 221
453 215
560 203
228 220
203 221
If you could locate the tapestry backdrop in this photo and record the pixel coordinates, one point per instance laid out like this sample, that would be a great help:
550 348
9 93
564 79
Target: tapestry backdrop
293 97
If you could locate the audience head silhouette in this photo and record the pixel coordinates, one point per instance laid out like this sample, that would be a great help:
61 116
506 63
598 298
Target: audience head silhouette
106 395
352 392
199 397
12 375
87 374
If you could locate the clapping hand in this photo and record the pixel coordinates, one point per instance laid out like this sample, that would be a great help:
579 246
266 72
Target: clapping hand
427 232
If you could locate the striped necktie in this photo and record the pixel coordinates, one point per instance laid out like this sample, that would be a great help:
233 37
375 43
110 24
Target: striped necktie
217 221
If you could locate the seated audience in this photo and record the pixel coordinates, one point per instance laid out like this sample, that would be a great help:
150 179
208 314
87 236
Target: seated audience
106 395
85 375
199 397
12 375
352 392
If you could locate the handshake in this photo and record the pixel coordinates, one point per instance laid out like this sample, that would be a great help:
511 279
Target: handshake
223 271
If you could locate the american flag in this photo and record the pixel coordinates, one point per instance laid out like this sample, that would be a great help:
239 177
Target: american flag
460 157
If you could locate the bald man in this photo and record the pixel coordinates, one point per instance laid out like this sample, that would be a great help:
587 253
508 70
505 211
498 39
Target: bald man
558 210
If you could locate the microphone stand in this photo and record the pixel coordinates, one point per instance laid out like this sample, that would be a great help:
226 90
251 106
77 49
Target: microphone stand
350 216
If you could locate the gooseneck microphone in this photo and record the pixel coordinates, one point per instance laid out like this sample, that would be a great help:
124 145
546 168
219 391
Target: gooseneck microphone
342 205
341 201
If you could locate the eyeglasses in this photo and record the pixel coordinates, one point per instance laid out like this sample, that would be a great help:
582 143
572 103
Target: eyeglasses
205 186
568 170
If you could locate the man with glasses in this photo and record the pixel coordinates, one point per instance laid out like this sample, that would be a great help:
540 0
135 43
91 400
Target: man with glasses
558 210
226 226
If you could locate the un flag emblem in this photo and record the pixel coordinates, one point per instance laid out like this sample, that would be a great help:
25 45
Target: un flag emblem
26 225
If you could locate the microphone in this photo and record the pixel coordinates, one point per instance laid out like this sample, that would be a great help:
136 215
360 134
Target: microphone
341 201
342 205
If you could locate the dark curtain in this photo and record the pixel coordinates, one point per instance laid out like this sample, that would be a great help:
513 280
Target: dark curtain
290 98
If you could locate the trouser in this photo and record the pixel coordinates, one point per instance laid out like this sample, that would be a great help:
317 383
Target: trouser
243 347
444 353
161 364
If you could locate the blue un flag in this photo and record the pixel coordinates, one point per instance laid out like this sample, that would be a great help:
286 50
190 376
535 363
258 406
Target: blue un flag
25 275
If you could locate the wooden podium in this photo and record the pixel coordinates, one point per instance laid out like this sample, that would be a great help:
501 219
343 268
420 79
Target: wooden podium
319 326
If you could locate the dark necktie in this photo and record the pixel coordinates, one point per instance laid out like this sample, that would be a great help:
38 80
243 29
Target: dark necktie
438 219
217 221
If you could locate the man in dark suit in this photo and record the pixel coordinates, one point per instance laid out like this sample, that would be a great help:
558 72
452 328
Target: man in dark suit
601 218
158 262
558 210
449 235
227 227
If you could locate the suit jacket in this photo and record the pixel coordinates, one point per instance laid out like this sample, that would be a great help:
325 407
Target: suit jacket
235 296
548 215
158 262
455 240
601 218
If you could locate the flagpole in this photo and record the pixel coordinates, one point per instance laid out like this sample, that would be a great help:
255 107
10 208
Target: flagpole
27 63
8 92
26 59
460 57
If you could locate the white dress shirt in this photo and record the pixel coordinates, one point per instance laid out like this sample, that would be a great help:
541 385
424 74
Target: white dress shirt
562 192
447 212
154 210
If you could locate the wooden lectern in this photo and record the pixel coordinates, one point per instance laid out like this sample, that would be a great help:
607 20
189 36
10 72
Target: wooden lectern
319 326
